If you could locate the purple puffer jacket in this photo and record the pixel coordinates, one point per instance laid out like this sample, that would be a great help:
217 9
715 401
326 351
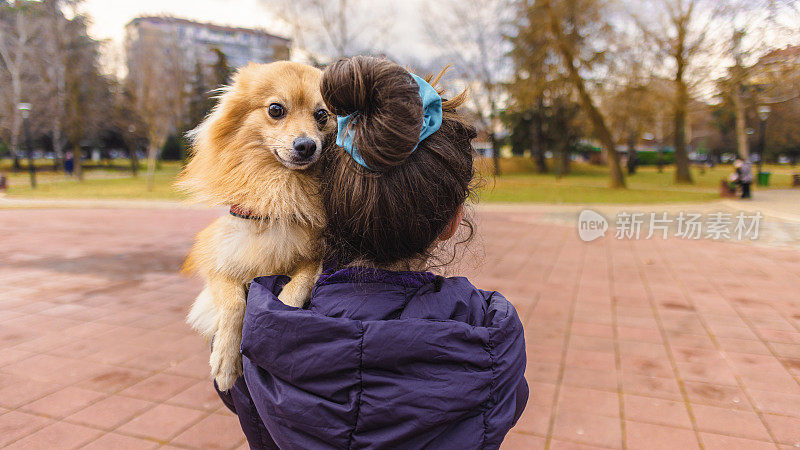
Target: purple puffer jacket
380 360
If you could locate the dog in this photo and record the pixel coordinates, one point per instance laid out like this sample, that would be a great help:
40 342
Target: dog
256 152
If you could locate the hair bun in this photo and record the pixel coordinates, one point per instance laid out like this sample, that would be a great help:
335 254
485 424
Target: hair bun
388 106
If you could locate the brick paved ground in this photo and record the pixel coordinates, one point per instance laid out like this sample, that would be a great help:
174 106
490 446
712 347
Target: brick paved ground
636 344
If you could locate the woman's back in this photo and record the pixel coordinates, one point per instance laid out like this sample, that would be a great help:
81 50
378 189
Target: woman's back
380 358
383 359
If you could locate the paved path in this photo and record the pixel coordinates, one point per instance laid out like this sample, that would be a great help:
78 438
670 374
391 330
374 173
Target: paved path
631 344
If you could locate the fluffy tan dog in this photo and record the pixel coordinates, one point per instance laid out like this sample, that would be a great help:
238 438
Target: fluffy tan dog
256 153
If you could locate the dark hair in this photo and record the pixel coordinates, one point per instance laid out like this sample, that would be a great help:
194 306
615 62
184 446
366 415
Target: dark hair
396 211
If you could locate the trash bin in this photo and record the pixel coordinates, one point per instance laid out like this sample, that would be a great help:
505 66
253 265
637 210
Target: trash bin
763 178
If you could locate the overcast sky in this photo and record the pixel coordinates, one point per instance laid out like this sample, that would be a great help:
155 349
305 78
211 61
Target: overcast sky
110 16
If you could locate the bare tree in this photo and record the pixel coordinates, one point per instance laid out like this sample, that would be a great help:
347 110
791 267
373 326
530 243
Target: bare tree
633 101
541 93
56 65
87 102
157 81
681 31
747 24
570 23
470 33
18 29
337 27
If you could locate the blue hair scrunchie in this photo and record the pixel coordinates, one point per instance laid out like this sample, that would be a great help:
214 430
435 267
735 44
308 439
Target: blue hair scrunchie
431 121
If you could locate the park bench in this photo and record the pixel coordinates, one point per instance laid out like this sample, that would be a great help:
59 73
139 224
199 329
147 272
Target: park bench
727 189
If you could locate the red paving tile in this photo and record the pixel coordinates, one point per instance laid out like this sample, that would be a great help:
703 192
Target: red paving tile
63 402
520 441
201 395
657 411
94 351
588 401
724 442
15 424
729 421
588 429
161 423
58 435
215 431
576 376
159 387
17 390
556 444
646 436
716 395
535 419
119 442
785 429
110 412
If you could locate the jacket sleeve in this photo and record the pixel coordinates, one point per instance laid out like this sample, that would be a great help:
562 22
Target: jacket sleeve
226 397
239 401
509 387
522 399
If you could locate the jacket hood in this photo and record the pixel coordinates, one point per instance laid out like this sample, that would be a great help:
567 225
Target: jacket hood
391 359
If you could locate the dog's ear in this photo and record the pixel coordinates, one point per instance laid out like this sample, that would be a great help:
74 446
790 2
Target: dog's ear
207 141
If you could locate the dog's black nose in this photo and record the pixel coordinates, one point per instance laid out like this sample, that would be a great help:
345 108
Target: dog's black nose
304 147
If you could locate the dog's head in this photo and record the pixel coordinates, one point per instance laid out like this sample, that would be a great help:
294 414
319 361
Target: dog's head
264 135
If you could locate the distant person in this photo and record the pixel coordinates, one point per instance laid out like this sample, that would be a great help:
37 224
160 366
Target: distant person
69 163
3 183
744 175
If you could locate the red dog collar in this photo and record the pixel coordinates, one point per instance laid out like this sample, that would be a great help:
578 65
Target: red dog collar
238 211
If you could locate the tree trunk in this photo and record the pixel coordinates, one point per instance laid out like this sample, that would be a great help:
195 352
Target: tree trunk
541 161
495 153
741 133
598 123
538 150
595 117
78 160
134 160
565 158
682 173
631 158
58 68
562 162
16 123
29 148
151 166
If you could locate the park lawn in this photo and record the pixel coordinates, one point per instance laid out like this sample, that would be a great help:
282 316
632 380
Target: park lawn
539 189
99 185
589 184
520 184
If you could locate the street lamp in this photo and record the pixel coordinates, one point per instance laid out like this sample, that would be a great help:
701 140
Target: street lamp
763 114
25 109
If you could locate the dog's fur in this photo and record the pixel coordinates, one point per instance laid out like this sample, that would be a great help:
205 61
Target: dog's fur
243 156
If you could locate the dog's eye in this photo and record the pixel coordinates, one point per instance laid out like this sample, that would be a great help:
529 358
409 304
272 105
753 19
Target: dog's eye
321 116
276 110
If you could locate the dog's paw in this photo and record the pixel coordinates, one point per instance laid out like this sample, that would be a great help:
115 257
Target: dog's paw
226 366
294 294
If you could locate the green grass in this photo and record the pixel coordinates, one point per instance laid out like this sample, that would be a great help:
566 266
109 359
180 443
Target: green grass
520 183
589 184
98 184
